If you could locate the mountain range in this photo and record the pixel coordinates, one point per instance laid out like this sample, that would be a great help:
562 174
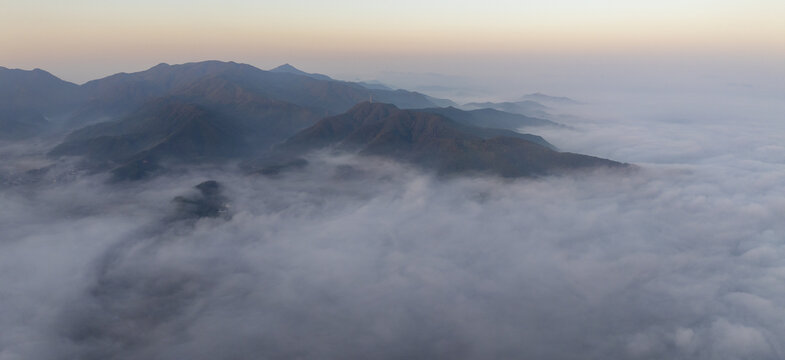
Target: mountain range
524 107
132 123
548 99
434 141
119 94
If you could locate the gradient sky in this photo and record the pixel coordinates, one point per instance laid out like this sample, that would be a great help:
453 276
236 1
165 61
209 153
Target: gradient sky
80 40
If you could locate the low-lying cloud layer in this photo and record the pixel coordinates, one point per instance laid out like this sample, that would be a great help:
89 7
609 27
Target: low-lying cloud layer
363 258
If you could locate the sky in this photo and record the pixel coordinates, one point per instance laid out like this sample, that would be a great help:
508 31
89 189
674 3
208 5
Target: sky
83 40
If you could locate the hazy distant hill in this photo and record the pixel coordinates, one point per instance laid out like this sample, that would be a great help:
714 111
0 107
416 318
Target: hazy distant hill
435 142
208 110
121 93
374 85
117 96
28 97
215 111
525 107
490 118
289 69
36 90
542 98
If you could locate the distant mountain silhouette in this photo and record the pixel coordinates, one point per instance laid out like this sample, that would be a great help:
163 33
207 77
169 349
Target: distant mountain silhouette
525 107
27 98
121 93
540 97
374 85
380 91
36 90
215 111
435 142
490 118
206 110
286 68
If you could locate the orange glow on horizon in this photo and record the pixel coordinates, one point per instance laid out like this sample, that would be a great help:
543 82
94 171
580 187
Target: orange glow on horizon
106 31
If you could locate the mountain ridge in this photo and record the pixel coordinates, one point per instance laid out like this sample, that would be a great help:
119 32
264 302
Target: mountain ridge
119 94
217 111
288 68
432 141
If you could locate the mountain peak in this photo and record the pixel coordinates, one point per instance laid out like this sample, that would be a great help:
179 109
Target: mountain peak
289 69
207 65
22 73
35 88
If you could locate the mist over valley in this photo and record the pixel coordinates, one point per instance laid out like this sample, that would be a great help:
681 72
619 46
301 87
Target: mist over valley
214 210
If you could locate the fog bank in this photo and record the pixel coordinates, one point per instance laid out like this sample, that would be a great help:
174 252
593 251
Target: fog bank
364 258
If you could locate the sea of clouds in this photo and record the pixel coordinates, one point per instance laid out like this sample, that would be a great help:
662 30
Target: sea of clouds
356 257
